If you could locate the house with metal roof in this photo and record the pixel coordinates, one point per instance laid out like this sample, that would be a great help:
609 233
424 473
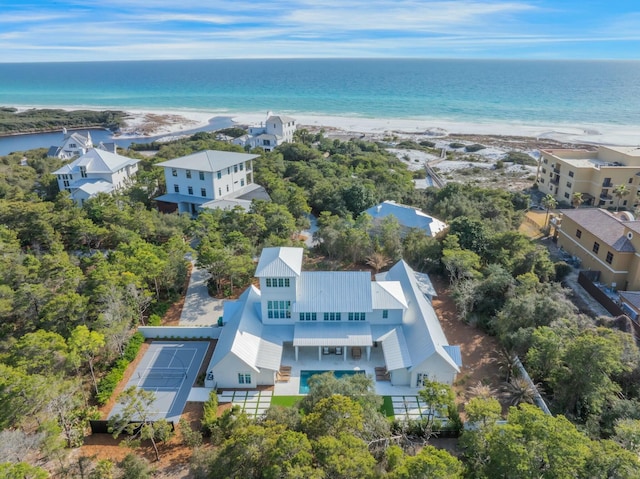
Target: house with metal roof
209 179
274 131
73 144
324 317
407 216
96 171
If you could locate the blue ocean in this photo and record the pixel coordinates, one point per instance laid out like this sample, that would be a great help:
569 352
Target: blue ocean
505 91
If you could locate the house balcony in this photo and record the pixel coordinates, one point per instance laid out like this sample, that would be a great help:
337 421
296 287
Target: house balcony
556 171
555 181
606 197
607 184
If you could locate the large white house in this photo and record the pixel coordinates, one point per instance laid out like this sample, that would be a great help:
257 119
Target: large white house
273 132
408 217
314 314
97 171
209 179
73 144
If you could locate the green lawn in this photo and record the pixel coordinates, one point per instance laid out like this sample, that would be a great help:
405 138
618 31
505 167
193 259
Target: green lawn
286 401
387 406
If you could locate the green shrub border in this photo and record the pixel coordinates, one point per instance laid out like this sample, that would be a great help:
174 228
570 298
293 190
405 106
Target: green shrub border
109 382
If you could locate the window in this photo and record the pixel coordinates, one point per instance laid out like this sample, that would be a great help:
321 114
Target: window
174 172
190 189
609 257
248 165
266 142
545 161
278 282
189 174
331 316
278 309
578 233
541 180
227 188
203 192
596 247
385 314
235 168
630 180
201 175
242 167
83 172
219 174
566 195
219 191
544 170
176 188
229 171
356 316
244 378
568 184
308 316
571 174
66 183
242 182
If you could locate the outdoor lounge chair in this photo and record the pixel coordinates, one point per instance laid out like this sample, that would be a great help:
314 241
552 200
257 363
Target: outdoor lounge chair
356 353
339 351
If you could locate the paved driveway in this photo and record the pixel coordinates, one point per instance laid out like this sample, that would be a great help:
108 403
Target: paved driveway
200 308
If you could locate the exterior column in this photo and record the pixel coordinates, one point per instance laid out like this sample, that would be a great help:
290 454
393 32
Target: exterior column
368 353
319 353
297 353
344 354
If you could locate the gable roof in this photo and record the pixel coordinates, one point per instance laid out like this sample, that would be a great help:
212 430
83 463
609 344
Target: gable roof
388 295
282 261
97 161
602 224
281 118
334 291
407 216
208 160
421 327
243 335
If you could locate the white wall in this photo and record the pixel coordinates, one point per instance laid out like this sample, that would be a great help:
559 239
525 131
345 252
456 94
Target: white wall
400 377
436 368
226 374
215 188
395 317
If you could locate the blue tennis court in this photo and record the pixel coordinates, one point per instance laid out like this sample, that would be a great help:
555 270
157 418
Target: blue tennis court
169 369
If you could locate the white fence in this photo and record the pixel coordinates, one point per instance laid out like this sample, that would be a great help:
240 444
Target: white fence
178 332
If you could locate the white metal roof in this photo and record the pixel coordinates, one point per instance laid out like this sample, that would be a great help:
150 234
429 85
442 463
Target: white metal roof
94 187
388 295
421 327
425 284
280 262
339 291
407 216
244 336
395 350
208 160
97 161
334 334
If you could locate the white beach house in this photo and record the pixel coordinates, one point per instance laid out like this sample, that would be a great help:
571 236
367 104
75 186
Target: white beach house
318 319
73 144
408 217
97 171
273 132
209 179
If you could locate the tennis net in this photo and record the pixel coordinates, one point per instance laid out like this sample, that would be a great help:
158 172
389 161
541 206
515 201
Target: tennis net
170 373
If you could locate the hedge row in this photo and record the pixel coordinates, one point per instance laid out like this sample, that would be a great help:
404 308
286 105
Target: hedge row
109 383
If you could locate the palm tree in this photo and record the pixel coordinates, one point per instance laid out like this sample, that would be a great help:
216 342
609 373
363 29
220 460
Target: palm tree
577 199
377 260
520 391
619 192
549 202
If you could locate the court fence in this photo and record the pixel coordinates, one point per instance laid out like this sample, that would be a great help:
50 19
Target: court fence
102 426
180 332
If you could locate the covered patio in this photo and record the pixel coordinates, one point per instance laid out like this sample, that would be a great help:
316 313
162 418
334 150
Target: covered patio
308 360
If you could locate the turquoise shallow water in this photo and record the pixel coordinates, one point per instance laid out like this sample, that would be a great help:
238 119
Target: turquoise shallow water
602 92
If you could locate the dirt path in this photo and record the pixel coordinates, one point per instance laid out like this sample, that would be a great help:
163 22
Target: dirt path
479 350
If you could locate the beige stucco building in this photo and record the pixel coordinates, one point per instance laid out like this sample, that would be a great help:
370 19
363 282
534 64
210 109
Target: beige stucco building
604 242
562 172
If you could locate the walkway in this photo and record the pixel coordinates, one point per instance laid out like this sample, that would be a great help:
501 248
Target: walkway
199 308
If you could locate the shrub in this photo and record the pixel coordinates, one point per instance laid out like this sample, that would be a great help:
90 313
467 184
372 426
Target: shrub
133 346
520 158
154 320
562 270
110 381
427 144
456 145
473 148
499 164
210 413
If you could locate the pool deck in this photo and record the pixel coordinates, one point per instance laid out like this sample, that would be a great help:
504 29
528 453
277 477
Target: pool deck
308 361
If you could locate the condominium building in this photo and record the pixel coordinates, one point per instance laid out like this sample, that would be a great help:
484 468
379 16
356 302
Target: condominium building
595 174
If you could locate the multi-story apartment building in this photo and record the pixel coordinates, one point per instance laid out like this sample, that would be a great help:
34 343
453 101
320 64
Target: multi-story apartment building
200 179
604 242
563 172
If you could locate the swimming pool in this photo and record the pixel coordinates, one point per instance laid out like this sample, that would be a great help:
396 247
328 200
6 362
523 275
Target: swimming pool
305 375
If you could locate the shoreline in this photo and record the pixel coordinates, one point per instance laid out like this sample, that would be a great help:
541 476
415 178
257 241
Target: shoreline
144 123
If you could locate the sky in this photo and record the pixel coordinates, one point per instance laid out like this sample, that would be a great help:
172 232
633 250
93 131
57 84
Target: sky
101 30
